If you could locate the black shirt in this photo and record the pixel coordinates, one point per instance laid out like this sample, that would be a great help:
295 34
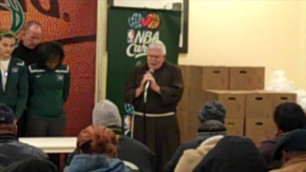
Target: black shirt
26 54
137 153
11 150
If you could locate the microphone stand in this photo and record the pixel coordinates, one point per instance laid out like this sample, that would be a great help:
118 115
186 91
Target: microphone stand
144 135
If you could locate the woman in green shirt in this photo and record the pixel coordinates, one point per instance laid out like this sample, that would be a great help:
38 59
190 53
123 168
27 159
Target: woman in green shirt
49 89
13 75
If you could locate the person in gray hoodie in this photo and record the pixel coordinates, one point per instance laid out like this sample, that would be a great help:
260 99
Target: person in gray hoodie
98 146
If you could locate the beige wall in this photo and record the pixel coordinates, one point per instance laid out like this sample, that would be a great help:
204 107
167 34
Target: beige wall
268 33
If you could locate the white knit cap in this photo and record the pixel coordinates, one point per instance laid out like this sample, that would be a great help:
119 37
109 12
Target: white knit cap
106 113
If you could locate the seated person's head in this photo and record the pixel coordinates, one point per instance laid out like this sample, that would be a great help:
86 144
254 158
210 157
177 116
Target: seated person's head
212 111
106 113
97 139
210 128
292 145
289 116
233 153
7 125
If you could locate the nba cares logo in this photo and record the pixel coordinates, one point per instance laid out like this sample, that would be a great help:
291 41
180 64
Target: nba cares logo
142 30
17 14
138 20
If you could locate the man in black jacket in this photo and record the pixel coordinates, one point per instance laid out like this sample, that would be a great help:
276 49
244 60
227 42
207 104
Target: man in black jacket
11 150
31 35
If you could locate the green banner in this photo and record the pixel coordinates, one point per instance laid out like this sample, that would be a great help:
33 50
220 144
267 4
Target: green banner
129 32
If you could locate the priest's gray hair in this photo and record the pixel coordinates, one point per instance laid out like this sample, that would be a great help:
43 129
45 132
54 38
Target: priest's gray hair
157 44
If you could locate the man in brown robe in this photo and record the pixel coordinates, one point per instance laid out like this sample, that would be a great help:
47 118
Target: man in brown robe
164 91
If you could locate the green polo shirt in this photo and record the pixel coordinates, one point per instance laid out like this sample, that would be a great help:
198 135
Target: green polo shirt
15 94
49 89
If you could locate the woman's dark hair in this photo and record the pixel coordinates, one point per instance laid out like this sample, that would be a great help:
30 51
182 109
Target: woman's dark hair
49 51
289 116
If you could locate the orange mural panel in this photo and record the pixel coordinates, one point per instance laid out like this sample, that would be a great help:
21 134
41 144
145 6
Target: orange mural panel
73 23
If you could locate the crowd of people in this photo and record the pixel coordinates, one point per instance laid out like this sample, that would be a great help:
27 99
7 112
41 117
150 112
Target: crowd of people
103 147
35 86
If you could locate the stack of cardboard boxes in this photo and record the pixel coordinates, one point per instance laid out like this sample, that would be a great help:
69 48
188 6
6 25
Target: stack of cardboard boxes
240 90
196 80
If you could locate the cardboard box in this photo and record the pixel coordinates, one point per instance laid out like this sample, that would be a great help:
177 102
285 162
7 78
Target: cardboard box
234 126
276 98
205 77
196 100
246 78
193 124
182 117
258 105
185 73
233 101
215 77
195 77
185 101
279 98
259 129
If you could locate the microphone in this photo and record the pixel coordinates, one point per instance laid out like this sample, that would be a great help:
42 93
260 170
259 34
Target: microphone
148 82
147 85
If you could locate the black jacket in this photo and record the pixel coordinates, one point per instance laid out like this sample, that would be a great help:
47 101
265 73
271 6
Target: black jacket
11 150
28 55
32 165
233 153
16 90
132 151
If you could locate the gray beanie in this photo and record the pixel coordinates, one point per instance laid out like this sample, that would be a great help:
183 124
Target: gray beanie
212 111
106 113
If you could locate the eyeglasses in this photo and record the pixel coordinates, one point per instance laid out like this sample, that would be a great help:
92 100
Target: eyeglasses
154 57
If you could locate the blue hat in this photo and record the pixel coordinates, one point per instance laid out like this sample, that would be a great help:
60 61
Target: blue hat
212 111
293 141
6 114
